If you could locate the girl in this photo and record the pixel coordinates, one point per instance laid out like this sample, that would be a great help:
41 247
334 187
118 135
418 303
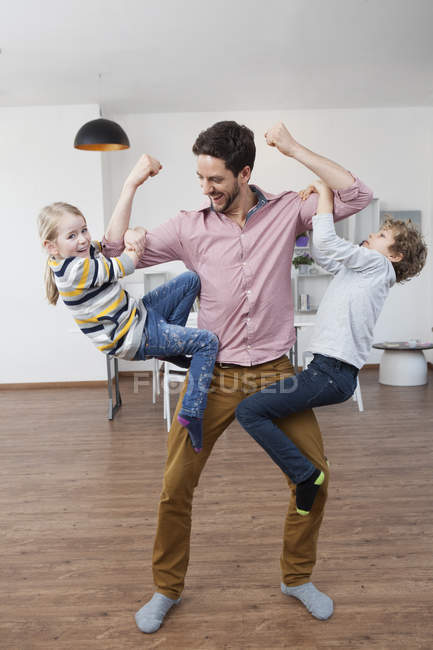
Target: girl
114 321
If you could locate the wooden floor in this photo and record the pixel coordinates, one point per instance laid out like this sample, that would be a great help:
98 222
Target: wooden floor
78 506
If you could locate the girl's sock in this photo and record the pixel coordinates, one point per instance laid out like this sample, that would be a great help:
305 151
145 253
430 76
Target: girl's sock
307 490
195 430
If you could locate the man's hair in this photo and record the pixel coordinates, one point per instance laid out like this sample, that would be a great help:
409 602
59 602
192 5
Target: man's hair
230 141
409 242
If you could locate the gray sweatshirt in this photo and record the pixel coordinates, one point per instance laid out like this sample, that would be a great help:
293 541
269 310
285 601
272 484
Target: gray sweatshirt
354 299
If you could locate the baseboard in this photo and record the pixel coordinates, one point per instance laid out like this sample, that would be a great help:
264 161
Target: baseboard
54 384
99 383
123 373
133 373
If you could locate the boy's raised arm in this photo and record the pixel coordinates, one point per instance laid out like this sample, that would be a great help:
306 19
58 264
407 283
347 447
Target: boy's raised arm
325 203
331 251
325 239
119 222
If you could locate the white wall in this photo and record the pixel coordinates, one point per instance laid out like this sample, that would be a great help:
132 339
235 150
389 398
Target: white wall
38 165
390 149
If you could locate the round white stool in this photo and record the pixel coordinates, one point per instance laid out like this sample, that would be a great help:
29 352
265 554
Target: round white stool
402 366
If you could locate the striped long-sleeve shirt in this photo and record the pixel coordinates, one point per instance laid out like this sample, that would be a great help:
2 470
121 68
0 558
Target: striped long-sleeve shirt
104 311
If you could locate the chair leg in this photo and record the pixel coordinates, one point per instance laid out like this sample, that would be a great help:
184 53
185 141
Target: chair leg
154 366
167 409
113 408
166 388
357 396
292 357
165 400
307 357
158 382
295 355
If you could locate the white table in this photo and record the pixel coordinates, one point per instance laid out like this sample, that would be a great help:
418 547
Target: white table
403 364
293 354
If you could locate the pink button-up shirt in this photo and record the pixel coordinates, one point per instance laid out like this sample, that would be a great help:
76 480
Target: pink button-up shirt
246 297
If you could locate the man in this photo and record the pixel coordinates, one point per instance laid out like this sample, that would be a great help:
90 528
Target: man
240 242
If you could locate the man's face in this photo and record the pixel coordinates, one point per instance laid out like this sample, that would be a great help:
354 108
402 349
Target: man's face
217 182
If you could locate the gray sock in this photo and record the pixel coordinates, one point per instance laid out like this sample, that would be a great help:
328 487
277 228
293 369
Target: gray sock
318 604
149 618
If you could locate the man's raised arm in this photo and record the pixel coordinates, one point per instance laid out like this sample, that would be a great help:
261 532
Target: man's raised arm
350 194
160 245
331 173
119 222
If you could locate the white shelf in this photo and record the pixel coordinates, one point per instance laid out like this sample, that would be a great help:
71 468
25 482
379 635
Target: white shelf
306 311
319 274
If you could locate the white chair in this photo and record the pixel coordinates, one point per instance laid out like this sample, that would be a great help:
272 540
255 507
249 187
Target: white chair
113 407
152 279
172 373
357 395
307 357
156 364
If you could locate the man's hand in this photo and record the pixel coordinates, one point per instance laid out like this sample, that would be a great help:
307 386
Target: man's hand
316 186
146 166
278 136
325 204
135 240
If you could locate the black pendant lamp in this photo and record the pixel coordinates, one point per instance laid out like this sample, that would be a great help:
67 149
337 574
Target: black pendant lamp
101 135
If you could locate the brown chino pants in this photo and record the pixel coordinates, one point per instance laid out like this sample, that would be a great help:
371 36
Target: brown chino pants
230 385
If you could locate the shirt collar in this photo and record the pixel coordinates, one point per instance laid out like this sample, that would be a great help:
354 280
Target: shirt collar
264 197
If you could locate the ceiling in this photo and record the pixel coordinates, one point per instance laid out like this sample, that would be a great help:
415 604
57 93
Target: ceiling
203 55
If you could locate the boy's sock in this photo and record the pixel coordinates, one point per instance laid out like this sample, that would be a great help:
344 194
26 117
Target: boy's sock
318 604
179 360
307 490
195 430
149 618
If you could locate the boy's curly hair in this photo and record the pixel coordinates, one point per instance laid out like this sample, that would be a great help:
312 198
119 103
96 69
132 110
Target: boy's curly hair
409 242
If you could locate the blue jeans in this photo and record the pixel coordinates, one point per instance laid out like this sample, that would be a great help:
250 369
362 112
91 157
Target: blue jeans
325 381
165 335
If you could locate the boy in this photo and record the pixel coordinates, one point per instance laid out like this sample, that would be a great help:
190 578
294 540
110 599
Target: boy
342 336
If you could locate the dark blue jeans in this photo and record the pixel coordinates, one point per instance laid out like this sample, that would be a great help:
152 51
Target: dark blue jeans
165 335
325 381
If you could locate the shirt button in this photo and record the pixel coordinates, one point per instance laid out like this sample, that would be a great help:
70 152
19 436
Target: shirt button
248 292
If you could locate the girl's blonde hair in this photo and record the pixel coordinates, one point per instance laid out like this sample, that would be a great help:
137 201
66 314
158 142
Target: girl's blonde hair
48 221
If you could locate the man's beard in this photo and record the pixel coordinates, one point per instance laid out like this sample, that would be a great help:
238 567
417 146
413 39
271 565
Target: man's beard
232 197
